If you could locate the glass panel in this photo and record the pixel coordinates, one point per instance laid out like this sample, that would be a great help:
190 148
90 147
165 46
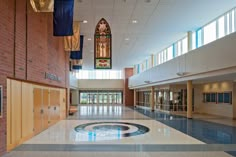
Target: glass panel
105 98
208 97
193 40
95 98
160 57
170 53
213 97
99 74
100 98
199 38
227 24
209 32
83 98
184 45
233 18
164 56
220 98
227 98
114 98
179 50
221 27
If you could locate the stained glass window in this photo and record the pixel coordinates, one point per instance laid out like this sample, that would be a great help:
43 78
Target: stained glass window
102 45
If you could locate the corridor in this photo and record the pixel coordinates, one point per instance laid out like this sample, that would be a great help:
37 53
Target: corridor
115 130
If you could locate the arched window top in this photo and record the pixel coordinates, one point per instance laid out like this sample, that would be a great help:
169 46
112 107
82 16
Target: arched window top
103 28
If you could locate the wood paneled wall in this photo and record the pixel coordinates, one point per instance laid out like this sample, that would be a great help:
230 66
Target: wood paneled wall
32 109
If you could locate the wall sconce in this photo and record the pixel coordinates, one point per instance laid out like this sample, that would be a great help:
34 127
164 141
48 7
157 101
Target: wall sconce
181 74
147 82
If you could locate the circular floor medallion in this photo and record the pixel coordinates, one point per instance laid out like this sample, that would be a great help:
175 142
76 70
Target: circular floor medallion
112 129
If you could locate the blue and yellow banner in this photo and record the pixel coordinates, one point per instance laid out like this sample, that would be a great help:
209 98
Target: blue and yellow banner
78 54
72 43
76 57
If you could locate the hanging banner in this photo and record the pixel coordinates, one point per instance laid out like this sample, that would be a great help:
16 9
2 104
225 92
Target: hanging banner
102 46
77 67
77 64
42 5
78 54
76 57
72 43
63 17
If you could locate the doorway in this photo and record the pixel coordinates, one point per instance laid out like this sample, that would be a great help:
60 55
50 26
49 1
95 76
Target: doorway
101 97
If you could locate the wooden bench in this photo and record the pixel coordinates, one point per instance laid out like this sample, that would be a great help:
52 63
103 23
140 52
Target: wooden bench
73 109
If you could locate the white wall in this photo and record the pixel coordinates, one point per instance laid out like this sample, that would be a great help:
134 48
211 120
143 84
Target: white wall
116 84
225 110
73 82
218 55
75 96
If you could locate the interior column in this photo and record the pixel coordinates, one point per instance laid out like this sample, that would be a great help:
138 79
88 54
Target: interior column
152 99
135 98
189 99
234 101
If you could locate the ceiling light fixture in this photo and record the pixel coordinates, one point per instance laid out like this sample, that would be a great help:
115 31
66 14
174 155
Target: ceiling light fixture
85 21
134 21
127 39
89 39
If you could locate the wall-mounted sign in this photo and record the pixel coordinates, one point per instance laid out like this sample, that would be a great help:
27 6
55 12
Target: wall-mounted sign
52 77
1 101
102 46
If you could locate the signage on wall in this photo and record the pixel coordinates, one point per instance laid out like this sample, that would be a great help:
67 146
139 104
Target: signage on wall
1 101
52 77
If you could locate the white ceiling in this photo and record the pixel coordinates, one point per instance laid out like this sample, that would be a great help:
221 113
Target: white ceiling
160 23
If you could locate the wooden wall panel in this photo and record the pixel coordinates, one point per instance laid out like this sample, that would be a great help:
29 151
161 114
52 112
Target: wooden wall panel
37 110
16 128
63 104
45 108
30 108
27 110
57 103
9 137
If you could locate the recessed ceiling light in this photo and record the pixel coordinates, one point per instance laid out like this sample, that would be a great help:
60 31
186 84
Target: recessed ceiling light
147 1
127 39
85 21
89 39
134 21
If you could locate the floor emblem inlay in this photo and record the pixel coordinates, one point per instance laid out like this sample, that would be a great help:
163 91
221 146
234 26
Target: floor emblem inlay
99 131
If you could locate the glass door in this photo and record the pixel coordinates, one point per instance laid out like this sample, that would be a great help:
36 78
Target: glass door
110 98
100 98
95 101
119 98
105 98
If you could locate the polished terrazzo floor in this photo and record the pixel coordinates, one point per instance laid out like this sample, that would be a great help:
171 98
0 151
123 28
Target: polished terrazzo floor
112 130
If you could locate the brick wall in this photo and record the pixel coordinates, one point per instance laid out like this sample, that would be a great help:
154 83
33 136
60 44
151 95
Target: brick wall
28 50
128 94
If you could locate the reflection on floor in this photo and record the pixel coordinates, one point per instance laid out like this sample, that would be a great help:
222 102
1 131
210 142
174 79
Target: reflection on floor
112 130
